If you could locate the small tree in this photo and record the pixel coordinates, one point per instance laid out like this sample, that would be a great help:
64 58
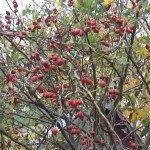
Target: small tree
75 75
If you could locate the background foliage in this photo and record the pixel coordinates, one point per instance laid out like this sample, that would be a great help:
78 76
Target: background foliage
75 75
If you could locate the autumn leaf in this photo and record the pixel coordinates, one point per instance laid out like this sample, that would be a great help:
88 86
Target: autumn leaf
108 2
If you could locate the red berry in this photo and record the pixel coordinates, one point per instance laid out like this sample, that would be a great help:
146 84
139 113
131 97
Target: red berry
102 83
76 32
60 61
49 95
105 43
40 76
71 126
80 115
133 145
8 13
34 78
45 63
86 80
54 130
75 131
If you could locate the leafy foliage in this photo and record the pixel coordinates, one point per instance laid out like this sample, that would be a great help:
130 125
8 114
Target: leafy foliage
75 75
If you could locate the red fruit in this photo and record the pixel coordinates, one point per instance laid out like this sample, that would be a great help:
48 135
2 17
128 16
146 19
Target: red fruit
96 30
86 29
40 89
129 30
71 126
49 95
76 32
73 103
54 57
119 20
81 33
75 131
111 91
106 35
60 61
86 80
58 88
15 5
102 83
35 56
118 31
113 96
105 43
11 78
114 91
38 26
40 76
54 130
79 102
80 115
32 30
8 17
8 13
92 22
34 78
38 20
133 145
45 63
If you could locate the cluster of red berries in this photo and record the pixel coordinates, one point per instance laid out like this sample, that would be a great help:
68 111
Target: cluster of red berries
85 80
86 141
11 77
73 129
49 20
77 32
15 5
75 102
103 82
133 145
80 115
113 93
70 3
8 17
92 23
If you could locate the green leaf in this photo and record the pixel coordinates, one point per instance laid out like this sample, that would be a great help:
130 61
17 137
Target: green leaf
143 39
122 60
22 120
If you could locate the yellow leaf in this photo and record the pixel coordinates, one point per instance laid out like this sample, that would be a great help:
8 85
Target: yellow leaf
108 2
127 113
141 51
134 118
57 2
140 113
